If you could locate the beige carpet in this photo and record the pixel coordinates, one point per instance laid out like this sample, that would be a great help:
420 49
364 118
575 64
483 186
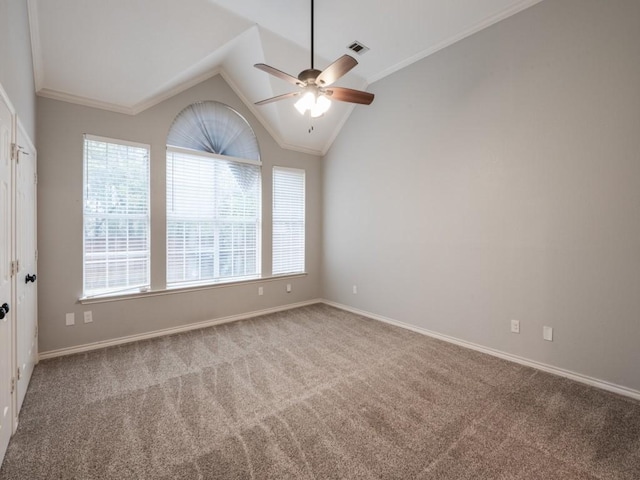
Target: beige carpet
314 393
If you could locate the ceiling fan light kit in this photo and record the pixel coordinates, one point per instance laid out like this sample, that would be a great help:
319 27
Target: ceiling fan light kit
316 85
317 104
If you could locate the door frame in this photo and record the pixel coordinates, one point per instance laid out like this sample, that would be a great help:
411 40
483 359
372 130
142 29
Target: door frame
17 126
12 314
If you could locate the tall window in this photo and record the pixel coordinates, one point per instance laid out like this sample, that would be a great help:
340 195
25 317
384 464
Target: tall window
288 220
213 218
213 197
116 216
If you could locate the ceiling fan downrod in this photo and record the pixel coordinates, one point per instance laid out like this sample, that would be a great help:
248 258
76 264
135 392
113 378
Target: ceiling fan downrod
317 90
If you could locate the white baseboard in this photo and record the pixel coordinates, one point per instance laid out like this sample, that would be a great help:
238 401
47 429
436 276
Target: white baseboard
594 382
170 331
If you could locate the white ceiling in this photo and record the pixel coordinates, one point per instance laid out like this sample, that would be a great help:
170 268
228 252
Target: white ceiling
128 55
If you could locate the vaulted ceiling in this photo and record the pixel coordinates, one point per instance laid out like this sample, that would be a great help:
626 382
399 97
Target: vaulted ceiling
128 55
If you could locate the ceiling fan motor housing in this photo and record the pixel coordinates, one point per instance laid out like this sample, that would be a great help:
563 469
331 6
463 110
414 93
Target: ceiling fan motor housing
309 75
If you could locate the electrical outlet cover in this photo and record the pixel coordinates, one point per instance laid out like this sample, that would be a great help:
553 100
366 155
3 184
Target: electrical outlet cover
515 326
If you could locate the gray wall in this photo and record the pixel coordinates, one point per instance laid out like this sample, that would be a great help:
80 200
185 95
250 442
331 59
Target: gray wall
16 68
500 179
61 126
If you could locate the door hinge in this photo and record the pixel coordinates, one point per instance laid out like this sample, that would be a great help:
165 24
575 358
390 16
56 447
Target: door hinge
35 178
14 267
36 332
16 150
13 384
18 373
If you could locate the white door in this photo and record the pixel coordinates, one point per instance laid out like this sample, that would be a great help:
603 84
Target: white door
25 242
6 340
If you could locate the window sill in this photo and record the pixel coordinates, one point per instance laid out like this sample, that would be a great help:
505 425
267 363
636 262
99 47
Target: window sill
191 288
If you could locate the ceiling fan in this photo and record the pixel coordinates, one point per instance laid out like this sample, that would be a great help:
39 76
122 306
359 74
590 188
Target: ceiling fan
315 86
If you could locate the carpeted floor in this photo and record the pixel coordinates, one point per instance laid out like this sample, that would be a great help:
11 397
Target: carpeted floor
314 393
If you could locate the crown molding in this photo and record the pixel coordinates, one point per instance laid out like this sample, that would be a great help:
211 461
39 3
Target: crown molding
42 91
487 22
172 92
39 80
156 99
128 110
36 46
84 101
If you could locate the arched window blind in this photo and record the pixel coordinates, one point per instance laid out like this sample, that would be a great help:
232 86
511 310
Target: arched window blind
213 127
213 197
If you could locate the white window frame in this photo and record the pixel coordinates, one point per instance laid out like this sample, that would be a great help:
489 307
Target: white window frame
138 287
258 253
277 265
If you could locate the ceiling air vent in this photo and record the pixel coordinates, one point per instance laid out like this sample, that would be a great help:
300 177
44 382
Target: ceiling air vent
357 47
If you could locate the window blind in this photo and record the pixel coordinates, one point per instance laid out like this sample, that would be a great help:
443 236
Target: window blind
116 216
288 220
213 218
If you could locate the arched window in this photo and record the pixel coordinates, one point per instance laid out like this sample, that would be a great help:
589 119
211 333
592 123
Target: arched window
214 127
213 197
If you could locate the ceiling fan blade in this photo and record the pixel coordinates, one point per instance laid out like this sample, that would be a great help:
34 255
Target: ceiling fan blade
349 95
336 70
279 97
278 73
